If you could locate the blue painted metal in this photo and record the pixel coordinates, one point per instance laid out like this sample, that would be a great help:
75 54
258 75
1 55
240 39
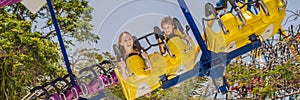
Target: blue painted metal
244 49
220 3
203 71
219 61
203 67
214 67
61 42
217 65
180 78
194 28
210 62
252 5
223 89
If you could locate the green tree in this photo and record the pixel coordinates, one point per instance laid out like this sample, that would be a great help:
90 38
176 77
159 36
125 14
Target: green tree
273 78
28 54
85 57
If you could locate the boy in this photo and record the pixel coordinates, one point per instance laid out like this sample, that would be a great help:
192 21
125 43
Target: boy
168 27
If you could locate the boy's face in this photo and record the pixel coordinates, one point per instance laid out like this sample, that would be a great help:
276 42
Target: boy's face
168 28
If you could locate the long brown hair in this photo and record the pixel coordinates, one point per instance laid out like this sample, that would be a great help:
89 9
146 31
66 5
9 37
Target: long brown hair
120 40
121 35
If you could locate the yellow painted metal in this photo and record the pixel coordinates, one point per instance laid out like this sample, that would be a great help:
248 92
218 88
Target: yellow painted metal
259 24
141 82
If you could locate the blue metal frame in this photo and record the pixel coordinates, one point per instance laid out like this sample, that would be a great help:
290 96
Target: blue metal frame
194 28
221 3
252 5
203 68
182 77
61 42
210 62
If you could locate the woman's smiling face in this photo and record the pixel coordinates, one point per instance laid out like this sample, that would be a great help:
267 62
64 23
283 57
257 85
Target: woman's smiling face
127 42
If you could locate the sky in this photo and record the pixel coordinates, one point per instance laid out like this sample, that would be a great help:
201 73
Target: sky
111 17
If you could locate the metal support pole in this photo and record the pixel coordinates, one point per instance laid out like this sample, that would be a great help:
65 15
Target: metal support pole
61 42
194 28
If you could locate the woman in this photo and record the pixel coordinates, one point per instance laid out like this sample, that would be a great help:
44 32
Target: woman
127 47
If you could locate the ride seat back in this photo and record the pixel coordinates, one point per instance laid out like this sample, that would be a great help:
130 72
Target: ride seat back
187 59
250 17
230 21
215 40
135 65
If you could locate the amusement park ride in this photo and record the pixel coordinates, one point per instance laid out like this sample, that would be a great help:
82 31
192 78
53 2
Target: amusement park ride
229 31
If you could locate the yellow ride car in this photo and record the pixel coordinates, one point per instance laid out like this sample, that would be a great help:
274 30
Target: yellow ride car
227 32
141 82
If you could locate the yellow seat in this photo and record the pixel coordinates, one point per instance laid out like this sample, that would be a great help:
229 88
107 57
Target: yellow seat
238 36
184 56
136 69
141 82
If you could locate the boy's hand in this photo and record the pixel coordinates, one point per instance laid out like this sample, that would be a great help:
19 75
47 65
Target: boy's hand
162 48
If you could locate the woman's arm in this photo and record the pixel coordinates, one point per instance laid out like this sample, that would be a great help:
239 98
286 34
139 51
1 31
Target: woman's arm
123 69
147 61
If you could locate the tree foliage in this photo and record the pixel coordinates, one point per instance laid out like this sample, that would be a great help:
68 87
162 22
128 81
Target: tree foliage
85 57
262 84
279 75
28 54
